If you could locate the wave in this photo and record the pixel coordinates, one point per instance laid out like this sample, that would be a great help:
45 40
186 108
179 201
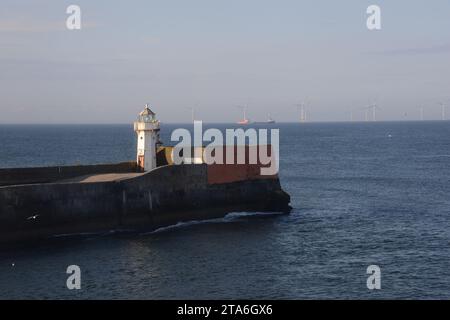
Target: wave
433 156
230 217
90 234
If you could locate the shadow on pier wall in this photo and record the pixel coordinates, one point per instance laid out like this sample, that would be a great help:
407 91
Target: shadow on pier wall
161 197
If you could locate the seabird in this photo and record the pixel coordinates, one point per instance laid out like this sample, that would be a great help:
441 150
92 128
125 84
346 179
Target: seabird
33 217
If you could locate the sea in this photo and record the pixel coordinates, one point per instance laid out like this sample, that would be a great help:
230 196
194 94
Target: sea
363 194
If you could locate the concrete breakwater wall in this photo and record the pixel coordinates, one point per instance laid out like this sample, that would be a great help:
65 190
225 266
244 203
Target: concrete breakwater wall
163 196
16 176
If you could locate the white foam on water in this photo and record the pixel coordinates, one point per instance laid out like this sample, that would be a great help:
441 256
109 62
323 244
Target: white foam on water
230 217
183 225
95 234
63 235
237 215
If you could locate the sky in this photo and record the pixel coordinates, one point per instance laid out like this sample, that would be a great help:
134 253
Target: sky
214 55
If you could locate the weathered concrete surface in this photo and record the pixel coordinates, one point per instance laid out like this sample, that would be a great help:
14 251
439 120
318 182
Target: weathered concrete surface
161 197
102 177
18 176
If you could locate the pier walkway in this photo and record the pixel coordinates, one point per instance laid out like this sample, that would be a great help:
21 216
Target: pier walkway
90 178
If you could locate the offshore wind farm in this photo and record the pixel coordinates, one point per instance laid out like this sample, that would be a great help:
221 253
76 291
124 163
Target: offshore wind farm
371 113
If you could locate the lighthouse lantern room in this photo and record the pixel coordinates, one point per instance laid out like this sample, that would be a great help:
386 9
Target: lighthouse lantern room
147 130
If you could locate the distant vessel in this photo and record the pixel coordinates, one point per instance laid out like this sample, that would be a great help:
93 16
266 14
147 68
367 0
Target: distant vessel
244 121
270 120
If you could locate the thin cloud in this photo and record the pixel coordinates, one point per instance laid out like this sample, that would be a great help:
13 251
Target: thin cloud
437 49
33 26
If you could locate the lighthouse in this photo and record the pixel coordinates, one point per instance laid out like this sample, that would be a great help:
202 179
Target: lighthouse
147 130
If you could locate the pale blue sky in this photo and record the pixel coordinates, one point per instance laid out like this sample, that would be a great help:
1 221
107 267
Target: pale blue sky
219 54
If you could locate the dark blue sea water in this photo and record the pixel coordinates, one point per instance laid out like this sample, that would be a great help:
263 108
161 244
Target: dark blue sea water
362 194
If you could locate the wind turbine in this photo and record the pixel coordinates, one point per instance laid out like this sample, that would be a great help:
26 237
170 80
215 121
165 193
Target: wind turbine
443 106
366 113
301 110
373 107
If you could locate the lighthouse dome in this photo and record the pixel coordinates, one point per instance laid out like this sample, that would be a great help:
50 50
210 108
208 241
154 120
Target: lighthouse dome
147 115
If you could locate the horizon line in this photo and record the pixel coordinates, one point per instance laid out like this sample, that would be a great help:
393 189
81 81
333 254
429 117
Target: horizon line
212 122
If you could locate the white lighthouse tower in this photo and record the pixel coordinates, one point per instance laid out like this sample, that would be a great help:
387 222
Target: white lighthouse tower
147 130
